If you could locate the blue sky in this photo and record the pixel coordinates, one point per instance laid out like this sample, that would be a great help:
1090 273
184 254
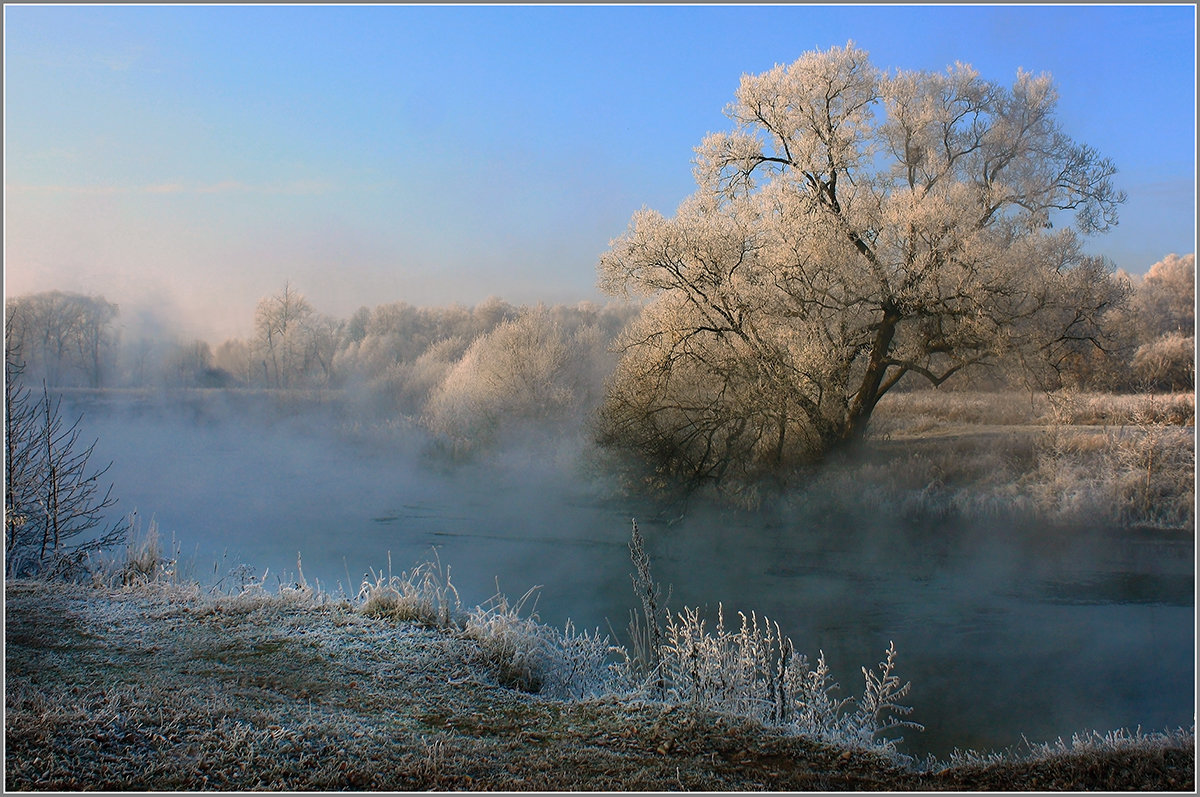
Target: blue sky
196 157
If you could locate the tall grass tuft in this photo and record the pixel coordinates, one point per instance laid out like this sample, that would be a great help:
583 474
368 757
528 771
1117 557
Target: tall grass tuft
755 671
423 595
645 629
144 561
524 654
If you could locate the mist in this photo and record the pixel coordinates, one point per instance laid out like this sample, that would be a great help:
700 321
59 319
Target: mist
1006 567
1006 626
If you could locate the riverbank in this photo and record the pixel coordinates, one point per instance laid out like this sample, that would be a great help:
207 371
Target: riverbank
164 687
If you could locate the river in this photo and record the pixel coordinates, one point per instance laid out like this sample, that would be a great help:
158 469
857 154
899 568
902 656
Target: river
1007 630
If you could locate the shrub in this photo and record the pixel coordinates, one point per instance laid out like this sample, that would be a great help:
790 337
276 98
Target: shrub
423 595
527 655
1167 363
756 672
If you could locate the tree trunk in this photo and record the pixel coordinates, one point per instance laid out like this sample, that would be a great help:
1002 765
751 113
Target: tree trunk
781 440
859 413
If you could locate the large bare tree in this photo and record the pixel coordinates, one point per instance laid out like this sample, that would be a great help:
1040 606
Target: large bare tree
855 228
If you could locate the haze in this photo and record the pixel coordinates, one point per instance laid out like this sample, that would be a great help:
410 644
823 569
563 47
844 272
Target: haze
186 161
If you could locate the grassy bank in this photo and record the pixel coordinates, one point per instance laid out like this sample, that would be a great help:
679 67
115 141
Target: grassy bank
144 680
160 685
1069 458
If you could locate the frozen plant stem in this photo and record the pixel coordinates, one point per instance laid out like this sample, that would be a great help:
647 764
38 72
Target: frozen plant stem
755 671
647 641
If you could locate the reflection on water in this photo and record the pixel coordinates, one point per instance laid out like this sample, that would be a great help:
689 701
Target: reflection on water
1004 631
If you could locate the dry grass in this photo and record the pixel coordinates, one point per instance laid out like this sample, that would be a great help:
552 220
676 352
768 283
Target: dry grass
1138 409
140 688
423 595
925 412
922 411
524 654
1122 460
1133 476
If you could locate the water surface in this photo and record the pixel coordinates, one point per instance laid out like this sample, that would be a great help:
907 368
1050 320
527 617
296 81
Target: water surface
1006 630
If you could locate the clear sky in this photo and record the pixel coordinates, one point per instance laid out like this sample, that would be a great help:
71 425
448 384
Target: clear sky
196 157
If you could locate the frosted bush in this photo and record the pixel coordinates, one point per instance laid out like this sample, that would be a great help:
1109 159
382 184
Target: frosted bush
527 655
424 595
756 672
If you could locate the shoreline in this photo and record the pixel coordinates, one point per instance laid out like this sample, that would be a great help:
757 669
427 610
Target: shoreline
159 686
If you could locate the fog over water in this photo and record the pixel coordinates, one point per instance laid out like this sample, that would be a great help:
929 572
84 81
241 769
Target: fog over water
1004 629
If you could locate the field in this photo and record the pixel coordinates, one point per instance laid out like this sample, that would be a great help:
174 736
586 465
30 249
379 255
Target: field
1127 460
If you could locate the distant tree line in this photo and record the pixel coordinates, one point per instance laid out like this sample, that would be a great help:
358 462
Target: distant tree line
66 338
401 356
459 370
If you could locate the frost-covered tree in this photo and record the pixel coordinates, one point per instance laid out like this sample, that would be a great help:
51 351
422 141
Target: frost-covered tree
1165 300
55 513
67 338
530 367
1164 321
280 327
855 228
295 344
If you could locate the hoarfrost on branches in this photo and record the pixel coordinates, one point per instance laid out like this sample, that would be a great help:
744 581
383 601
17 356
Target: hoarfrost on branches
855 228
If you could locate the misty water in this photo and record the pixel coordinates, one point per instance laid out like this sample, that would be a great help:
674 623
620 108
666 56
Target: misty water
1007 630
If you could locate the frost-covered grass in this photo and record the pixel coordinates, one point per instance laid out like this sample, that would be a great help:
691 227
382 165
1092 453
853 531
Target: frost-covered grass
751 672
423 595
156 682
1124 409
1085 743
525 654
1141 475
922 411
1118 741
1120 460
1119 760
754 671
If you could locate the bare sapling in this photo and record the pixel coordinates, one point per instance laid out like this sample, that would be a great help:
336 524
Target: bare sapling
55 512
